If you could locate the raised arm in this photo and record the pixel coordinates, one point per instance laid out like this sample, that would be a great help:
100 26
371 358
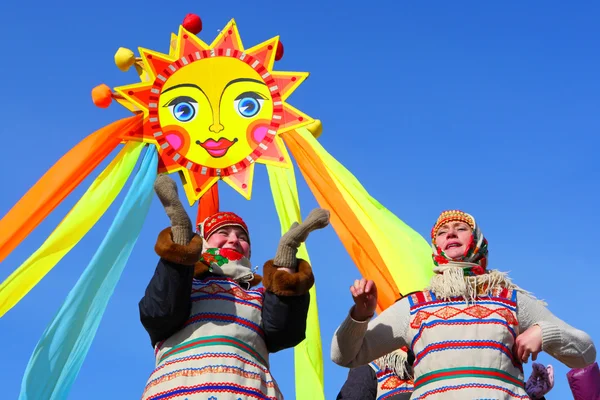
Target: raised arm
542 330
360 340
166 304
287 281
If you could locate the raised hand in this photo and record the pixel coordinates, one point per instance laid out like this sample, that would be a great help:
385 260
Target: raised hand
181 225
296 235
364 294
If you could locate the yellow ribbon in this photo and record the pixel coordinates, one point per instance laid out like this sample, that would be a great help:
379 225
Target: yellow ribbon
308 355
84 215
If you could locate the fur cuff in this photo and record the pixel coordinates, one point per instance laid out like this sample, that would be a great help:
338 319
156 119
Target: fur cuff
283 283
176 253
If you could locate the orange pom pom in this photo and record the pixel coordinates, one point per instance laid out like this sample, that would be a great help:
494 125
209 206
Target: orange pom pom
102 96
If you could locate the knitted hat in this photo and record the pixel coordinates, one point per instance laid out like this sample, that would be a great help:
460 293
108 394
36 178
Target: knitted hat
451 216
220 220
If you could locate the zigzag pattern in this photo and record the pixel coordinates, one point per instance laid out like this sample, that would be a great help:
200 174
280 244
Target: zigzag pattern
476 311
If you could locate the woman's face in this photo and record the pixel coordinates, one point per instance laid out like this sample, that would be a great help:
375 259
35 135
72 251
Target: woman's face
454 238
230 237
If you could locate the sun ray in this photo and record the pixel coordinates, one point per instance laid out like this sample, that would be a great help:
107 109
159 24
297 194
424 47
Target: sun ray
188 43
287 82
242 181
196 184
155 62
276 154
265 52
139 94
228 38
292 119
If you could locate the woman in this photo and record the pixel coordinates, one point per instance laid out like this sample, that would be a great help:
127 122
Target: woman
211 330
470 330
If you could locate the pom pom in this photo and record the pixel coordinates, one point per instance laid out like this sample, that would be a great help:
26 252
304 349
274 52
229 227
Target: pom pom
192 23
316 128
124 58
102 96
279 51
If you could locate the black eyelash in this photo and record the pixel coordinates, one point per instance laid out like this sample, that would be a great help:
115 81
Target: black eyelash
254 95
180 99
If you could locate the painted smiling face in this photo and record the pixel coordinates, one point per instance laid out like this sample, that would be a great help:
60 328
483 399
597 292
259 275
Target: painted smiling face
213 119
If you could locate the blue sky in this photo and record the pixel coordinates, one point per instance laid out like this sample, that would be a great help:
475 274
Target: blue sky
491 108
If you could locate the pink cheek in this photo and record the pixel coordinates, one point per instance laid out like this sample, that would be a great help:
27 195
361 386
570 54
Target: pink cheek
214 242
259 133
175 141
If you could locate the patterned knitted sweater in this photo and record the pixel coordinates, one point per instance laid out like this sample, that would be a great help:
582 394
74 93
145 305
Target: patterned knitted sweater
462 350
212 334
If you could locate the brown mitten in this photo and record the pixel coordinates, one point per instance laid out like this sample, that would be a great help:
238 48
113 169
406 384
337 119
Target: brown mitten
181 225
292 239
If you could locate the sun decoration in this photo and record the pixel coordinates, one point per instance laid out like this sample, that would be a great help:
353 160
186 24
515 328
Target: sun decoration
208 112
213 111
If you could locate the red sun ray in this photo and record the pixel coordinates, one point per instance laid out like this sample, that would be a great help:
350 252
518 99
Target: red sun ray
155 61
287 82
228 38
265 52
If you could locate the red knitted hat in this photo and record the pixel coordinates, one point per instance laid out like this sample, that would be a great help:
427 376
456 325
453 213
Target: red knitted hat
220 220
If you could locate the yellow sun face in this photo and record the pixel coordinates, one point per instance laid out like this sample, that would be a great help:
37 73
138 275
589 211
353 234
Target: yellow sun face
214 111
219 119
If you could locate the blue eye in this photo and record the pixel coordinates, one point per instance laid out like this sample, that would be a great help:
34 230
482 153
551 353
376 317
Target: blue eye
248 104
183 108
248 107
184 112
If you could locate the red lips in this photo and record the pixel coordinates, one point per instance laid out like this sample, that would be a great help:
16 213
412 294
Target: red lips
217 148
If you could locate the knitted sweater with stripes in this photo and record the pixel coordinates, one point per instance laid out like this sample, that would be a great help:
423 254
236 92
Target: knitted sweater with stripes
463 350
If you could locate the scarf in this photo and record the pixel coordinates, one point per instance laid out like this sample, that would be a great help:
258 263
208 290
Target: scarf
466 276
228 263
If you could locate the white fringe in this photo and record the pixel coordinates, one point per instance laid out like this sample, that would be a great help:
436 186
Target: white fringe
397 362
449 281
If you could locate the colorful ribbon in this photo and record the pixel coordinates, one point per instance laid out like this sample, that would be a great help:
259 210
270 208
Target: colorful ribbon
84 215
58 356
383 247
308 355
60 180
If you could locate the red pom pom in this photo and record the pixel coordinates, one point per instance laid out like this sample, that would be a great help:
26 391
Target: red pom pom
192 23
279 52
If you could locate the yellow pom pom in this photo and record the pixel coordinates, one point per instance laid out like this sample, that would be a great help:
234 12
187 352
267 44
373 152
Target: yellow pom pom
102 96
124 58
316 128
